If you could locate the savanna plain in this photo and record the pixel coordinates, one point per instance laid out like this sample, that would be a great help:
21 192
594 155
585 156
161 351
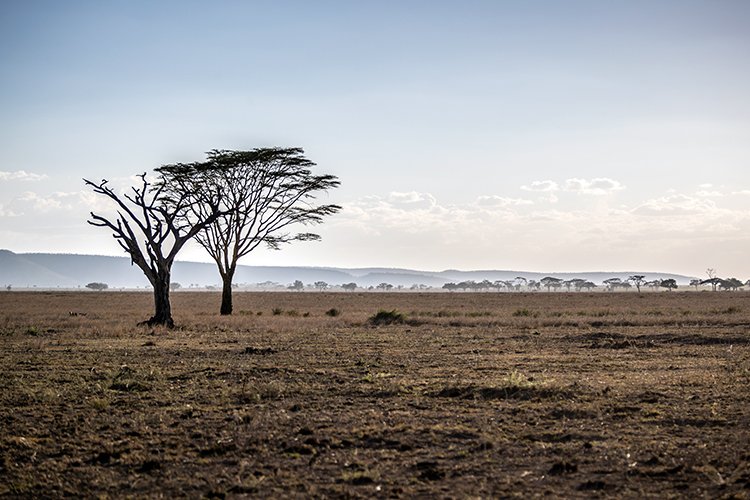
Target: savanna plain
304 395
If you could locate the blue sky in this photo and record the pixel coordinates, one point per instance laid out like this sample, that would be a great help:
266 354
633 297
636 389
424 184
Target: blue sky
534 135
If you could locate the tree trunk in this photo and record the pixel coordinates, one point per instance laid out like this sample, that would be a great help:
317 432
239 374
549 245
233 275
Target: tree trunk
226 293
162 307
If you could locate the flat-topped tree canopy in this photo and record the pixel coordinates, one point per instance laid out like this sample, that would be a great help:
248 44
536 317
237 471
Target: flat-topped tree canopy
265 194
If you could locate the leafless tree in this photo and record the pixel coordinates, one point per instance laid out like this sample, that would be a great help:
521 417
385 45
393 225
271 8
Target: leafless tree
152 229
263 192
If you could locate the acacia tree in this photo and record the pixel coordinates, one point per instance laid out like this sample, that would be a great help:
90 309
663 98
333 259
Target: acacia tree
638 280
263 192
612 284
731 284
670 284
152 228
551 282
714 282
713 278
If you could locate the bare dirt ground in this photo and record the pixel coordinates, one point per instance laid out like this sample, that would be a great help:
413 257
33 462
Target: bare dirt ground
474 395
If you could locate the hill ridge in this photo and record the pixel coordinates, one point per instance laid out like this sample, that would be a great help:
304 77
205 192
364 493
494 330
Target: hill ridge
69 270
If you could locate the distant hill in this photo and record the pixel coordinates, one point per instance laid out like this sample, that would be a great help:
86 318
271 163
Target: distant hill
44 270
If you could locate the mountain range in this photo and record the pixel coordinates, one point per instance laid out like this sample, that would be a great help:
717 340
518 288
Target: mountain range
48 270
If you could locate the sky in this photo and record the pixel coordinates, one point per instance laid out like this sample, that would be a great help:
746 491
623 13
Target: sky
531 135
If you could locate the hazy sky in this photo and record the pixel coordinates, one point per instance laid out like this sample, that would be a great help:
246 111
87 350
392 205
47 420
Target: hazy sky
528 135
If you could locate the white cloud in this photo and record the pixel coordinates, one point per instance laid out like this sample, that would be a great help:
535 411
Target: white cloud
677 204
412 198
501 201
21 175
542 186
7 212
30 203
709 194
494 231
598 186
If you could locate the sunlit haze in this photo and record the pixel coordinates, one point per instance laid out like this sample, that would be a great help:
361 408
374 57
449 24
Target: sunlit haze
536 135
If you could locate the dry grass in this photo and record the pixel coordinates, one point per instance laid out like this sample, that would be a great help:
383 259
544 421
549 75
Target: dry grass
473 395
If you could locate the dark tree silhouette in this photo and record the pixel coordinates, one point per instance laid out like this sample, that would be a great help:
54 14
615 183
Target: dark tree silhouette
731 284
588 285
713 278
320 285
670 284
97 286
638 280
297 285
152 228
576 283
653 284
349 287
551 282
714 282
612 284
263 193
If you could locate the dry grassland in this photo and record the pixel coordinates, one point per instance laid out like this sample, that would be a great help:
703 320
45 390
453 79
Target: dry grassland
473 395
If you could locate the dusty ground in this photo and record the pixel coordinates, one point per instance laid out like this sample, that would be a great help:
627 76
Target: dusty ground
476 395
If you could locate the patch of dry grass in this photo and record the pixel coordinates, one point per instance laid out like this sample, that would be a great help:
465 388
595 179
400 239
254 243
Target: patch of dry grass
620 394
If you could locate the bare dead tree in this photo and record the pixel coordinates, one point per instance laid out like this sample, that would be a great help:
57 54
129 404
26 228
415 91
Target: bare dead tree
266 192
152 232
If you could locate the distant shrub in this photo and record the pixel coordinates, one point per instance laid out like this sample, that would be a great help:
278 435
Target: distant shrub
386 318
523 313
292 313
276 311
728 310
333 312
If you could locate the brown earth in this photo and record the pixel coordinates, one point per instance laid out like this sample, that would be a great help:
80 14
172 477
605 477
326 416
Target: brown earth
474 395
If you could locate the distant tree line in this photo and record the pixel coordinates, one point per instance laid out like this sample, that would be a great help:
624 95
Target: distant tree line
551 283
